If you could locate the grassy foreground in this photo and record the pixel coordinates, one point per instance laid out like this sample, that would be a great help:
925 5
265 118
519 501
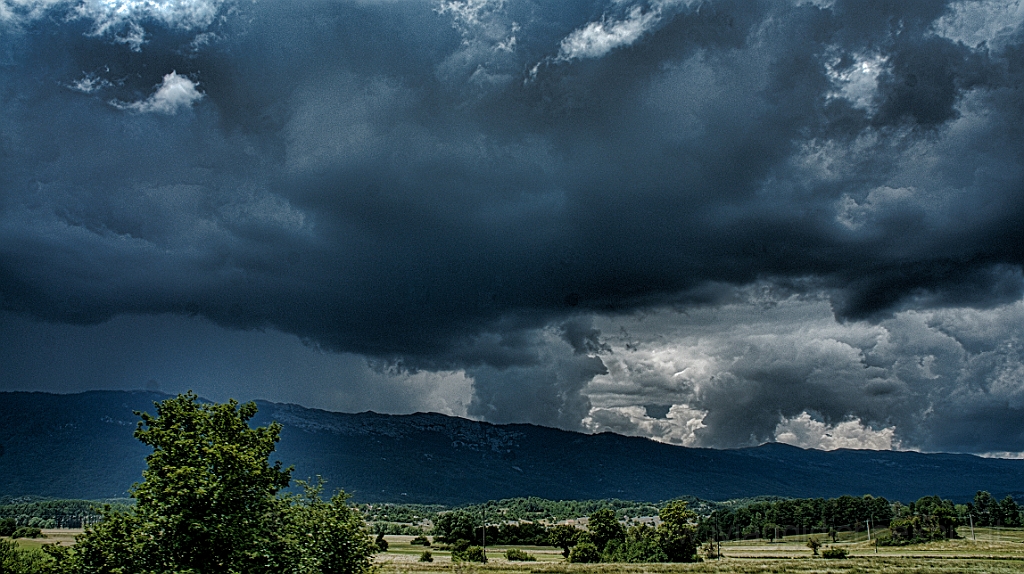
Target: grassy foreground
996 551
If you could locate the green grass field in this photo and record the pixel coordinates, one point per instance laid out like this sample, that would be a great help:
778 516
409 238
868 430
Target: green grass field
995 551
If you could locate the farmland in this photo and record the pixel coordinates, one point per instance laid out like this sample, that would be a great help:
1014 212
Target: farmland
995 551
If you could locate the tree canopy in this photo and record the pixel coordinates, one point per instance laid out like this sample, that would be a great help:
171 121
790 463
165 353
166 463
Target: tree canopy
209 503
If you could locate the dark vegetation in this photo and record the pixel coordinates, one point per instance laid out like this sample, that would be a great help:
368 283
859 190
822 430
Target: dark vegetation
43 513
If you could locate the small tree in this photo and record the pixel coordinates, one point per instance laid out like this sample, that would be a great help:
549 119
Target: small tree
677 532
585 553
565 537
455 525
604 527
814 544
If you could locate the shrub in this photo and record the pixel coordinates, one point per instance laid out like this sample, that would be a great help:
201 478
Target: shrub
27 532
420 541
515 554
426 556
471 554
380 543
834 553
585 553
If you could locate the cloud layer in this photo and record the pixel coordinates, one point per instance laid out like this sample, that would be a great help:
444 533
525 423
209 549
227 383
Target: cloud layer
494 188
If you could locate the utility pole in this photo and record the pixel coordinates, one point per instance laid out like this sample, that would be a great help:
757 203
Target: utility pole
971 517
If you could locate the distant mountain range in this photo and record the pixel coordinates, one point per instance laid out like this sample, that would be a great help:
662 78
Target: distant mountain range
81 446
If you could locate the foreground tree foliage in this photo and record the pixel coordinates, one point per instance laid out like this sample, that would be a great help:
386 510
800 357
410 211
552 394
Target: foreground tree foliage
209 504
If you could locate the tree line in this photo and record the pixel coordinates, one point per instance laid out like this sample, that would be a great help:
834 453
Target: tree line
59 513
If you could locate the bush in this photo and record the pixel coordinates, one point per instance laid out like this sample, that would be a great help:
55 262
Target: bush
426 556
8 526
517 555
380 543
420 541
27 532
471 554
585 553
834 553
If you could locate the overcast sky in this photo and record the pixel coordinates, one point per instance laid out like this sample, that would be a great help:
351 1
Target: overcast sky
712 223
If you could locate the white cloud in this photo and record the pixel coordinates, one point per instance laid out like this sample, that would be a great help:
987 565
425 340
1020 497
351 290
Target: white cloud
598 38
119 18
89 83
185 14
678 427
754 370
806 432
856 81
25 10
175 94
973 22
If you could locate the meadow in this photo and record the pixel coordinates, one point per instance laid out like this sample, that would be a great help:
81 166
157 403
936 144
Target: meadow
995 551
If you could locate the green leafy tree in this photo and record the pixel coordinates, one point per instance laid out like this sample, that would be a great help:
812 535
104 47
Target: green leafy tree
986 509
585 552
1010 512
677 532
642 544
209 504
14 560
565 537
604 527
814 544
450 527
326 537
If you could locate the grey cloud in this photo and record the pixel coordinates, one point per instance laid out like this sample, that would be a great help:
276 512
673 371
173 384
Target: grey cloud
406 182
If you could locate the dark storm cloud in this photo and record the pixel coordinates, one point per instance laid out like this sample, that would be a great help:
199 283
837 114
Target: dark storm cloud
438 185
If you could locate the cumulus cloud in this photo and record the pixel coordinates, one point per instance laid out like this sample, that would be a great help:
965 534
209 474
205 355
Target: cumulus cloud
806 432
791 373
175 94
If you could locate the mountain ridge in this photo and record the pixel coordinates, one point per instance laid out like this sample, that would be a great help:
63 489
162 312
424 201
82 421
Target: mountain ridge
81 446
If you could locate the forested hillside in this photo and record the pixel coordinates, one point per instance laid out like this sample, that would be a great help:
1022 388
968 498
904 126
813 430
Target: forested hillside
81 446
